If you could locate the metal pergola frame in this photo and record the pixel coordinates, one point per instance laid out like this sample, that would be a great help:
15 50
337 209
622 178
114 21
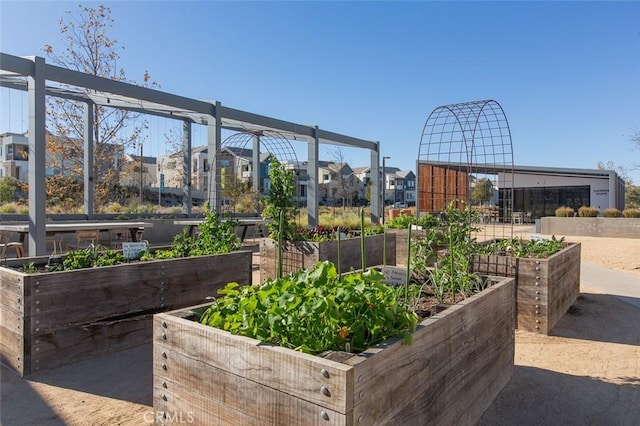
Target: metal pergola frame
32 73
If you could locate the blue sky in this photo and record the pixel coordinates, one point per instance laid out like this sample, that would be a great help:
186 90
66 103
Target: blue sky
567 74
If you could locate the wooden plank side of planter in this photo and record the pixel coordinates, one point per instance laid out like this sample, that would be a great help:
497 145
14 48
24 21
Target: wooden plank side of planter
73 315
14 320
351 252
491 264
77 342
191 282
564 283
546 288
293 373
99 294
62 299
215 396
306 254
532 300
402 243
455 356
294 257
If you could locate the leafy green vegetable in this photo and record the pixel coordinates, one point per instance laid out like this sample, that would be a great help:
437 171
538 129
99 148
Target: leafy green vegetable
516 247
215 236
315 310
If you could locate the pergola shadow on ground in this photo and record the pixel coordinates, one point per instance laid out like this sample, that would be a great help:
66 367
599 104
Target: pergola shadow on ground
39 79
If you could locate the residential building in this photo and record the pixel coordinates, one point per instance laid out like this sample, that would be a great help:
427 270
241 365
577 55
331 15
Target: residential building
131 173
403 184
339 185
14 153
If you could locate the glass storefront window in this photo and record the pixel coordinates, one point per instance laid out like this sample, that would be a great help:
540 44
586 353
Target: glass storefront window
544 201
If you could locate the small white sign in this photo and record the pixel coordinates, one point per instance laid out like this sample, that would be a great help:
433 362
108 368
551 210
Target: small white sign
132 250
394 275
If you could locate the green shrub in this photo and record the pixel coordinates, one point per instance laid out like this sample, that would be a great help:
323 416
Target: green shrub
8 188
585 211
215 236
631 213
612 213
403 221
564 212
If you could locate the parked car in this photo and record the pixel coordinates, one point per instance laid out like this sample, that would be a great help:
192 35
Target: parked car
400 205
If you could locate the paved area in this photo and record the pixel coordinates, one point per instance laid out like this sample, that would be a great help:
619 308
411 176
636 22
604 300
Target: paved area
623 286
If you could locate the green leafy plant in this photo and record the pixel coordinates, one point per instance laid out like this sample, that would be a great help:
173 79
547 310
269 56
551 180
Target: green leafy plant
109 258
450 277
315 310
80 259
215 236
90 257
402 221
29 268
516 247
281 198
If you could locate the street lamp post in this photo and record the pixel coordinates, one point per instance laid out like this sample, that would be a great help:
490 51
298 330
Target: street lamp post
141 175
384 187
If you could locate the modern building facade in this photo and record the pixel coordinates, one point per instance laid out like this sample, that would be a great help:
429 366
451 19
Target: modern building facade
534 191
541 190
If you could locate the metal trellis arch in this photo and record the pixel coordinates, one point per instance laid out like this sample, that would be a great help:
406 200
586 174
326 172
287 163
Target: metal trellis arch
463 145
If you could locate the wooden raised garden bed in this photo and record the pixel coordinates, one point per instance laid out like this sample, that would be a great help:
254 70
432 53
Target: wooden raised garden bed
298 255
546 288
458 362
402 243
51 319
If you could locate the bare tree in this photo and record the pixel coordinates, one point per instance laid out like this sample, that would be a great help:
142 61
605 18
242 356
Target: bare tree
89 49
622 171
635 139
345 182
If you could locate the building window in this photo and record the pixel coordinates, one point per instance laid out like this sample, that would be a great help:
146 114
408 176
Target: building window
544 201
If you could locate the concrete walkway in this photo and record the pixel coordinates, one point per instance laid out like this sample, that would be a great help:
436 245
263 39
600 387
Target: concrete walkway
622 285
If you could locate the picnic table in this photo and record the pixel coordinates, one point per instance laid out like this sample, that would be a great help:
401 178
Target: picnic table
53 228
243 222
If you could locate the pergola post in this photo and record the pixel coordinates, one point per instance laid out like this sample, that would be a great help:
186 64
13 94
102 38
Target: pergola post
374 189
89 181
255 168
37 152
312 179
214 137
186 167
